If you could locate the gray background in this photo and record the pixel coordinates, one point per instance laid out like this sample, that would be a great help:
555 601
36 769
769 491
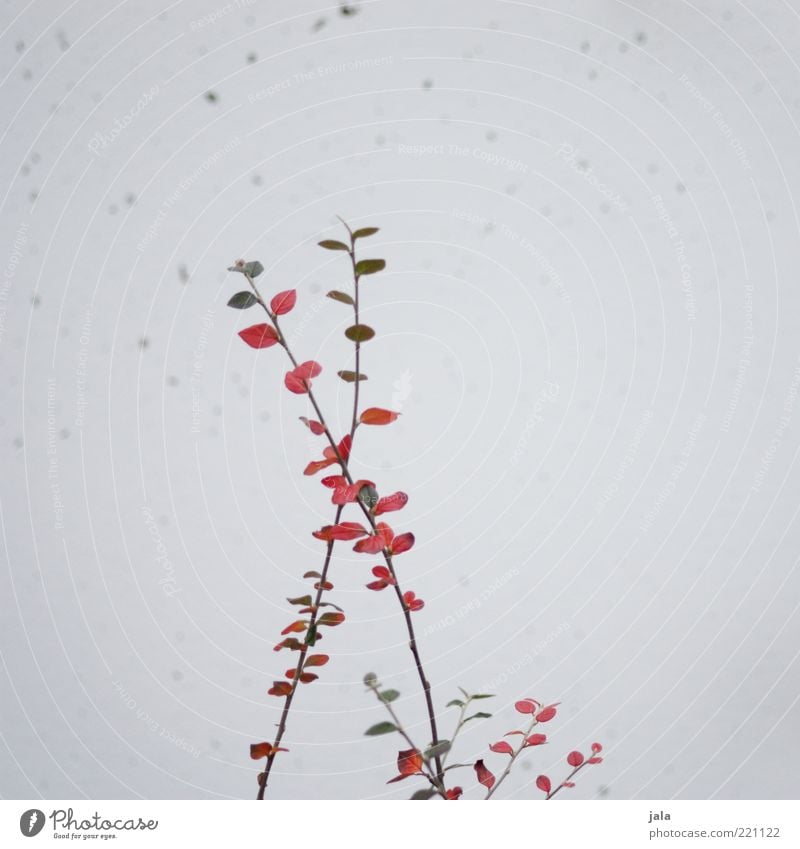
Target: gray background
599 387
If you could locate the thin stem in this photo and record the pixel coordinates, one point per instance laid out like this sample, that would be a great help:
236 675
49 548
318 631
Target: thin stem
358 342
264 777
566 780
374 687
412 644
512 758
459 725
367 513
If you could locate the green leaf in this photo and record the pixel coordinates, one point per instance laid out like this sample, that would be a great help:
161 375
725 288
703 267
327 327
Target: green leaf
311 635
333 245
479 715
441 748
341 297
364 232
483 696
359 333
388 695
253 269
370 679
330 604
423 794
456 702
380 728
351 376
370 266
368 496
242 300
302 600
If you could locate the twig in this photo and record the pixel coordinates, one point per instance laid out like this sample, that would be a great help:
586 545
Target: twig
512 758
367 513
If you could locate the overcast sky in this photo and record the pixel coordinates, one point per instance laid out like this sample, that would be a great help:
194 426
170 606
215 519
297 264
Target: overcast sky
589 319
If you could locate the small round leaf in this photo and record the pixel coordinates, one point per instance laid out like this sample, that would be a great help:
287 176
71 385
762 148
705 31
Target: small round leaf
351 376
342 297
370 266
359 333
242 300
381 728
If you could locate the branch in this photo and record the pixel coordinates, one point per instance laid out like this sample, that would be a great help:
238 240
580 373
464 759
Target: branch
365 510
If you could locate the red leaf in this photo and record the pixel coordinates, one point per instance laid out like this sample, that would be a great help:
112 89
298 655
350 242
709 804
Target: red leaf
412 602
484 776
383 573
377 585
324 585
332 481
569 784
596 747
307 677
348 493
371 545
280 688
289 643
543 783
283 302
259 335
263 750
502 748
260 750
409 762
547 714
402 543
316 660
316 465
381 539
390 503
454 793
344 447
574 758
377 416
295 384
526 706
343 531
331 619
536 740
307 370
315 427
594 761
295 627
